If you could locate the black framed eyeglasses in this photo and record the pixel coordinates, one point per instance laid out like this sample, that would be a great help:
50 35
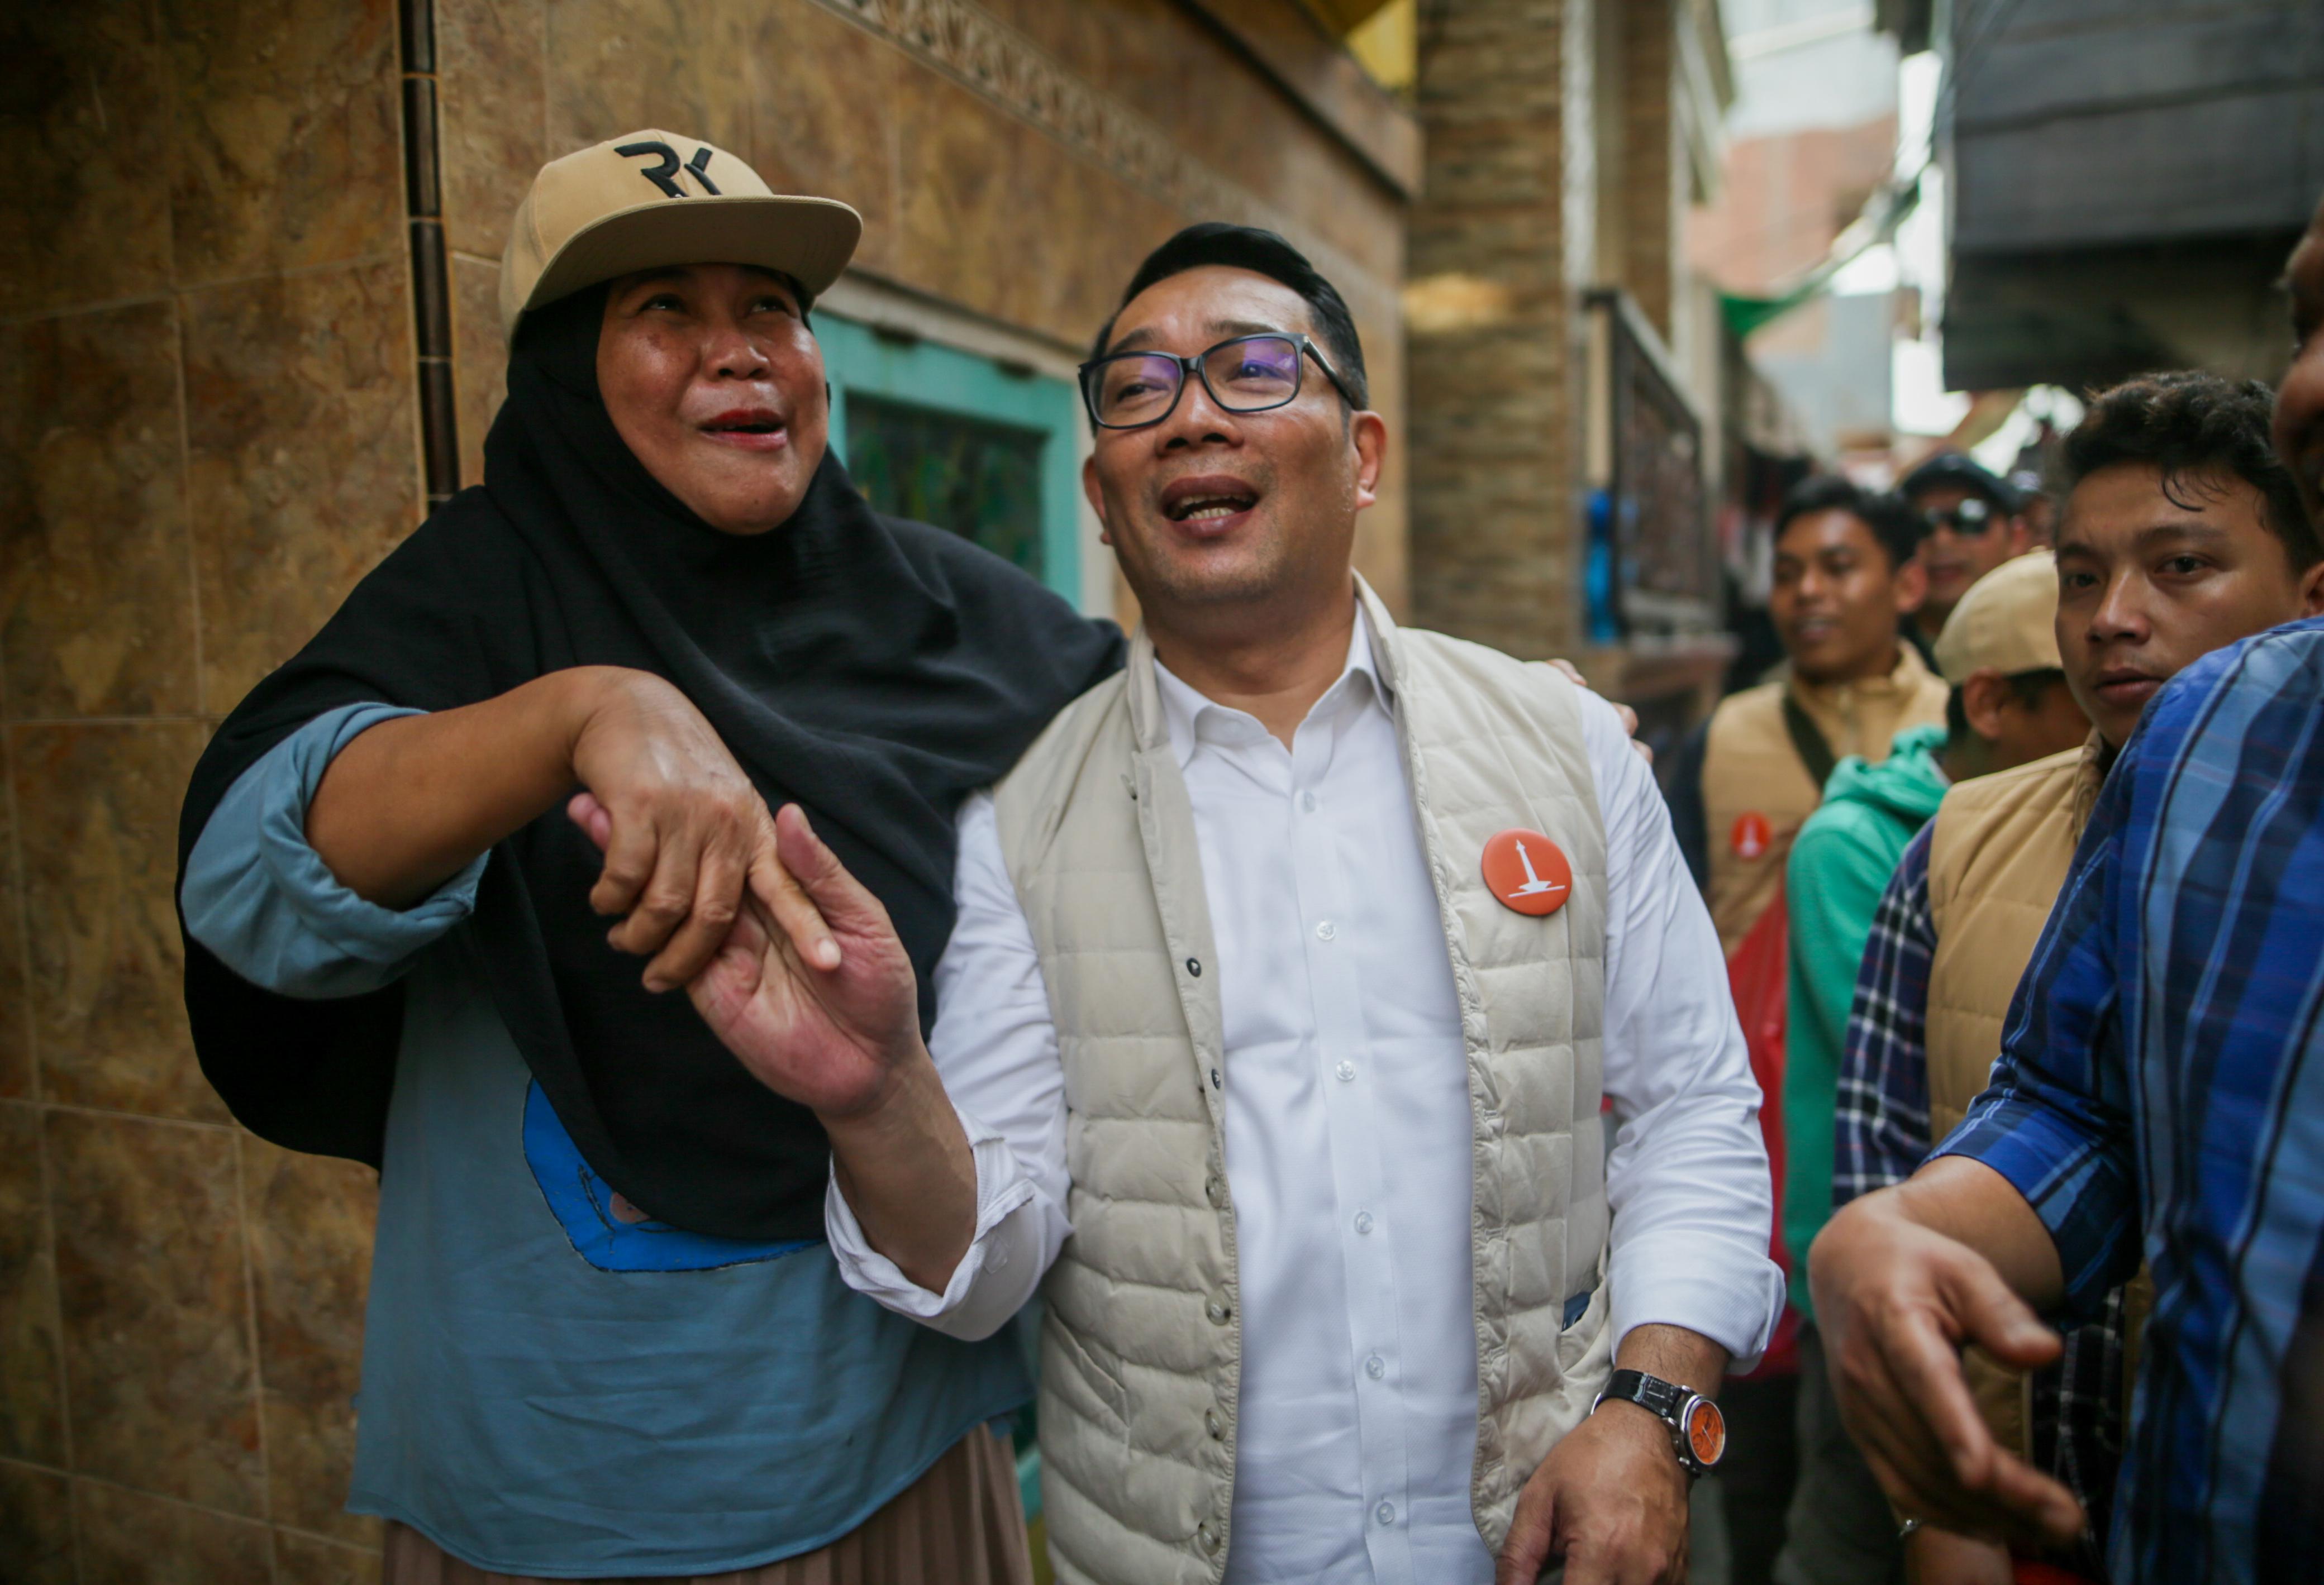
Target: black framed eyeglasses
1970 519
1243 374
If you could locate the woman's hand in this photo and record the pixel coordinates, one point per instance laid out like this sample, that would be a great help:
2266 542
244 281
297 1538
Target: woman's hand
683 829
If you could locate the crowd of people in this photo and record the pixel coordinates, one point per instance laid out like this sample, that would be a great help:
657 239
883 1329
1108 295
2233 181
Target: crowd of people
767 945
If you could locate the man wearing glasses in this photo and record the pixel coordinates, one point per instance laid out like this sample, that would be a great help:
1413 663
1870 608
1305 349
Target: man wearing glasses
1976 521
1292 966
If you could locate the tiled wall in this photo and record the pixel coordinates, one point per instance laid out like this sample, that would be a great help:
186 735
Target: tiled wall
207 432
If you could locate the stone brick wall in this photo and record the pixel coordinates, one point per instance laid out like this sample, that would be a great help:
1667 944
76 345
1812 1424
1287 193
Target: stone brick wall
208 431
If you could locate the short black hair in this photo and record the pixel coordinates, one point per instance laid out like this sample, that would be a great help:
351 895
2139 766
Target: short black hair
2189 422
1891 517
1262 252
2031 688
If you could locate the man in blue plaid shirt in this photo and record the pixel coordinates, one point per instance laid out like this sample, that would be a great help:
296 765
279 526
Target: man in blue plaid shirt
2156 575
2155 1096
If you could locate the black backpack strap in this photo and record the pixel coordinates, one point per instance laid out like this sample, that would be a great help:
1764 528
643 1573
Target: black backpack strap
1813 751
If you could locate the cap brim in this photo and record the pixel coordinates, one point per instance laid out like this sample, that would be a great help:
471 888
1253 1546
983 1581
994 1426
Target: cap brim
808 239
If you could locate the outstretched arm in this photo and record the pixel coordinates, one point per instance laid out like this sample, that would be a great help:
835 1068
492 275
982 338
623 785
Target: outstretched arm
838 1030
1903 1279
412 801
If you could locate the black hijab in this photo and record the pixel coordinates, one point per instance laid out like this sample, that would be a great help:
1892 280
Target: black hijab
873 670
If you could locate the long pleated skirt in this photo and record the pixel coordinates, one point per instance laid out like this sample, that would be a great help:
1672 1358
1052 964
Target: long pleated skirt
960 1524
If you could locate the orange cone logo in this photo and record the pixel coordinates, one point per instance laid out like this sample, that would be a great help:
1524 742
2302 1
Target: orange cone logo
1528 872
1752 835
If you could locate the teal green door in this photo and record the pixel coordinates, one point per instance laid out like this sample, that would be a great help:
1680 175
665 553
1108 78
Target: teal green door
983 448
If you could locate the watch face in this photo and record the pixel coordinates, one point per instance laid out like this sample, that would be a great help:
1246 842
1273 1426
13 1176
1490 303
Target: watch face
1706 1432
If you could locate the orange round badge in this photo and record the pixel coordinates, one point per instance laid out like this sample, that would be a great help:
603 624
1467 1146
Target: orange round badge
1528 872
1752 835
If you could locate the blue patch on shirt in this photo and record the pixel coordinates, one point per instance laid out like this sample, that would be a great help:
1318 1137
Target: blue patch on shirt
583 1205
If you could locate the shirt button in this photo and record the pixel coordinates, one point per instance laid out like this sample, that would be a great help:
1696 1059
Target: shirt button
1346 1071
1326 930
1214 1190
1307 802
1218 1312
1363 1221
1376 1368
1208 1536
1385 1512
1215 1078
1214 1426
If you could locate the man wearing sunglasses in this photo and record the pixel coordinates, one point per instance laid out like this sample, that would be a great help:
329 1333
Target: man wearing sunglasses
1292 965
1976 521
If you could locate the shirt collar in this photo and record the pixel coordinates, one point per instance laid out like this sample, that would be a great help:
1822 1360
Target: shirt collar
1194 719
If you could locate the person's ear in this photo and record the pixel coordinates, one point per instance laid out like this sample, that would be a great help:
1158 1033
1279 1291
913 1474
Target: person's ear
1096 498
1985 697
1368 433
1912 585
2312 591
2021 535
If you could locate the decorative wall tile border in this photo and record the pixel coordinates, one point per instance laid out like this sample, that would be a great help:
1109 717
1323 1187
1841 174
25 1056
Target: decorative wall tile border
985 55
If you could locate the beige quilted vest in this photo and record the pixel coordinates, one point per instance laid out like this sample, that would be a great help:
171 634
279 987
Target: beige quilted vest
1142 1340
1999 850
1750 766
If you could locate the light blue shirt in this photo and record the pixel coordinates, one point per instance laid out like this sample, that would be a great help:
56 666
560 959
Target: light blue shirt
548 1389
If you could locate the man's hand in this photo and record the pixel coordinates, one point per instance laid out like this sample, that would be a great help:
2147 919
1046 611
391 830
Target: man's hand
1897 1299
1610 1499
812 990
813 993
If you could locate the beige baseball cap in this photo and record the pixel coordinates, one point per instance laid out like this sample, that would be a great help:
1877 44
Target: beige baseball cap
649 198
2008 621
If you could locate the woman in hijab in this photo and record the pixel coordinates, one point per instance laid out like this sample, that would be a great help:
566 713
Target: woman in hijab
606 1336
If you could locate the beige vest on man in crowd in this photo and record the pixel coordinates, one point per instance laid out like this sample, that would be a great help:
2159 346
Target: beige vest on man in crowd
1142 1340
1999 852
1756 792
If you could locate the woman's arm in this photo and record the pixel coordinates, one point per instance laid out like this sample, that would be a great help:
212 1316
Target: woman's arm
412 801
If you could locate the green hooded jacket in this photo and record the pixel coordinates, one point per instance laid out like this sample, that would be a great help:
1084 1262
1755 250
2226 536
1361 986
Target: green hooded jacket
1839 865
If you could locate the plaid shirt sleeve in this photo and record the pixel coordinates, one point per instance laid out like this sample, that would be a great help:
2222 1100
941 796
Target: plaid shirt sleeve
1881 1120
2055 1121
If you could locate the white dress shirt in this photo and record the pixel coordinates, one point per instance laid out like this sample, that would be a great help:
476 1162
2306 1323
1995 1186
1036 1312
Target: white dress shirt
1348 1128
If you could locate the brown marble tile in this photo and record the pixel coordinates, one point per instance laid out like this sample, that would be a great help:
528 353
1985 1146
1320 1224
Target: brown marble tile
288 141
99 806
32 1411
308 1559
303 464
822 116
156 1307
479 358
959 236
97 614
36 1526
492 86
128 1538
16 1068
617 66
311 1228
84 214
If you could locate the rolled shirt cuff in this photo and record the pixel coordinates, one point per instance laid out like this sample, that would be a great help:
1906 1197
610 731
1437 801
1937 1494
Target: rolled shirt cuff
994 1277
1732 1295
